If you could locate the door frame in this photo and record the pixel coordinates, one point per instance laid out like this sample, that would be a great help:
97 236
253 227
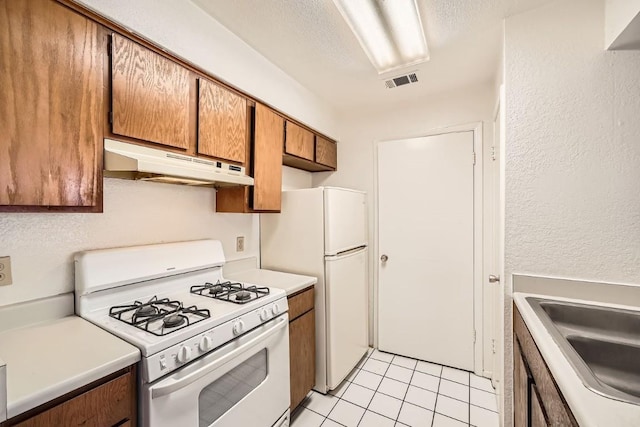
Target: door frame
492 237
478 263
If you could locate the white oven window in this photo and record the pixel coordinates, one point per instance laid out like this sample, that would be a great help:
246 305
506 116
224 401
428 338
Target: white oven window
222 394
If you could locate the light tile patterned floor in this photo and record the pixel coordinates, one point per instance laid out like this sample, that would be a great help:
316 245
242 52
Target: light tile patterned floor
390 390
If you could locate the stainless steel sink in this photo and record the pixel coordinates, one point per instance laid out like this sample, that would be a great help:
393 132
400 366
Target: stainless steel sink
602 344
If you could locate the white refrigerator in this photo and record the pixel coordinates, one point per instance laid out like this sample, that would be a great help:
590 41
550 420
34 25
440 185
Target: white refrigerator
322 232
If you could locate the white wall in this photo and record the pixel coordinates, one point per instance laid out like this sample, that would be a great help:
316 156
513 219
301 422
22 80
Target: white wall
572 151
42 245
361 130
293 179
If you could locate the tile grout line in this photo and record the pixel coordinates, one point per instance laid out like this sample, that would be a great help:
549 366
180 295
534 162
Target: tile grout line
407 391
435 404
350 383
368 356
469 410
376 390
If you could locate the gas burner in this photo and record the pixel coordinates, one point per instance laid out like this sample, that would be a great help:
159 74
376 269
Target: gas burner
146 311
215 289
242 295
173 320
230 291
159 316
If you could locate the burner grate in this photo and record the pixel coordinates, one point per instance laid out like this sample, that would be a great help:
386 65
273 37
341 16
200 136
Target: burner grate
159 316
230 291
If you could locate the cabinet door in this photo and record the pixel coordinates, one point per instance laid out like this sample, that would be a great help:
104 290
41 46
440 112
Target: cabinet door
150 95
267 163
222 122
51 74
538 418
299 142
302 351
521 384
326 152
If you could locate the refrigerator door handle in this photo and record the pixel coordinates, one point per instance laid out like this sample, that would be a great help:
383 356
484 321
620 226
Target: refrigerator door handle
349 252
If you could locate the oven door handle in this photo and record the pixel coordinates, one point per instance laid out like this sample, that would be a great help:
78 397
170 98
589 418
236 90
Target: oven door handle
174 385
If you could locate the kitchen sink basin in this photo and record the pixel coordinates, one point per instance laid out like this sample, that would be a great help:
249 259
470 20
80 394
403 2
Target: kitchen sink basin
602 344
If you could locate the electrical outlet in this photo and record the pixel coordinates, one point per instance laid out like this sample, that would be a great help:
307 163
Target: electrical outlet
239 243
5 271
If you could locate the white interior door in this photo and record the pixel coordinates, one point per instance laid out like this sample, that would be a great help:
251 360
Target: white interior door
426 229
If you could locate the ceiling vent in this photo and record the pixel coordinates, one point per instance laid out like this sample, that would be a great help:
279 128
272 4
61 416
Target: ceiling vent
401 80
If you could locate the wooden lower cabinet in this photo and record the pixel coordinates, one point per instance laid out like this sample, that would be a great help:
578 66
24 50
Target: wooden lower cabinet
537 399
107 404
538 417
302 345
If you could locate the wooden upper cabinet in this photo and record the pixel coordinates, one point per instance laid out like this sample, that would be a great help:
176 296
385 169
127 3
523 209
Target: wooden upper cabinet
326 152
222 122
299 141
51 108
150 95
267 159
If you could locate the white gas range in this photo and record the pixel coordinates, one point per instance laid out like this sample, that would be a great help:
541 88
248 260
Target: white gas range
214 353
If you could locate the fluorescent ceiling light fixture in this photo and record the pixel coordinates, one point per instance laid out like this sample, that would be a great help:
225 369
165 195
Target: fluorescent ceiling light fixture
389 31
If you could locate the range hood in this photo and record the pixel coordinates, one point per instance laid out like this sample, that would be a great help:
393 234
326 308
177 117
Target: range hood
130 161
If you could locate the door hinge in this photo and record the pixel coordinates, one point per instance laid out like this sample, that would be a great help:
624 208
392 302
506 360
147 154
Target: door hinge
493 346
111 117
474 336
474 157
493 153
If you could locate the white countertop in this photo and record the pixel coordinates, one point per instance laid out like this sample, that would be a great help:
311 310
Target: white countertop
291 283
47 360
3 391
588 407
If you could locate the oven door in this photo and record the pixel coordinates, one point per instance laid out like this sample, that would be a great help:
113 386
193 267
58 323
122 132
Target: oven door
243 383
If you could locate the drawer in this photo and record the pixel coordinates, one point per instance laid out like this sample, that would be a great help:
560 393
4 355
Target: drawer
300 303
106 405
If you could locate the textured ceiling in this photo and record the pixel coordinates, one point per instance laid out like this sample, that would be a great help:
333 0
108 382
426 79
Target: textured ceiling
310 41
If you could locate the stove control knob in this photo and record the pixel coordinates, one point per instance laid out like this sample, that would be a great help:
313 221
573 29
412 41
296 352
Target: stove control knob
275 309
184 354
238 327
264 314
206 343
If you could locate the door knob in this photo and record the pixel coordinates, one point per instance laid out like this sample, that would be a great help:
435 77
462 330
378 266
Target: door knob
384 258
493 278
